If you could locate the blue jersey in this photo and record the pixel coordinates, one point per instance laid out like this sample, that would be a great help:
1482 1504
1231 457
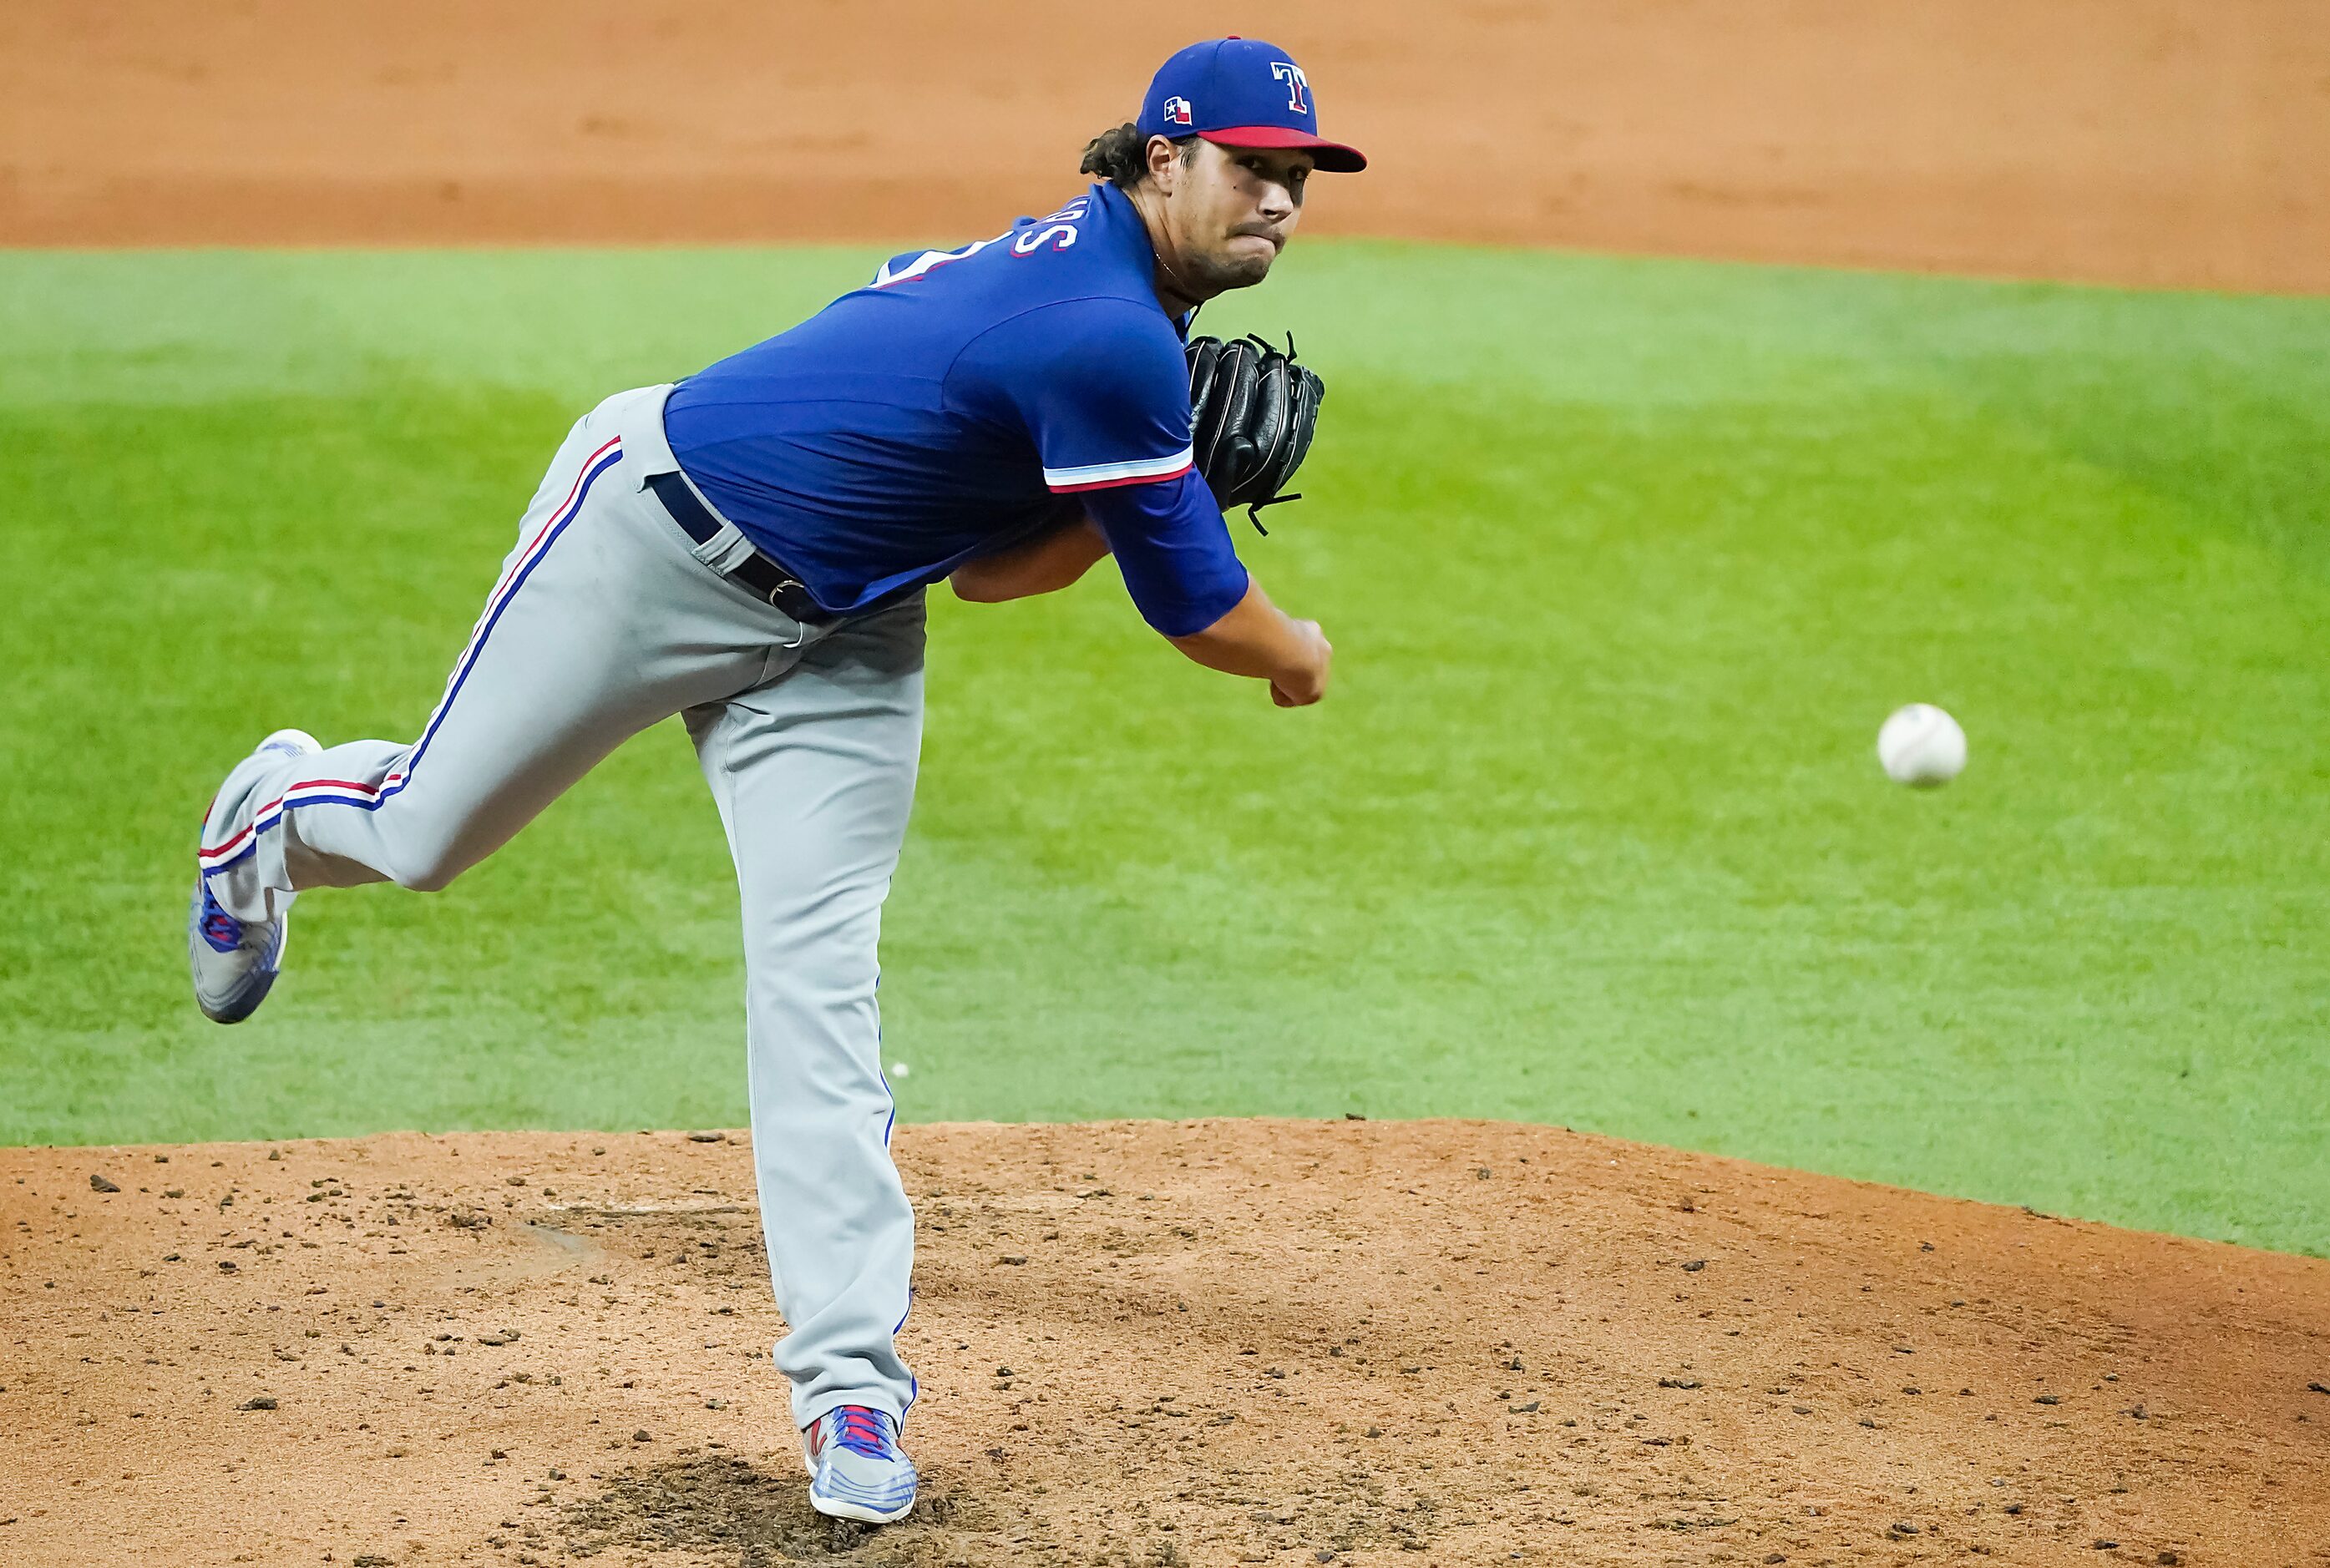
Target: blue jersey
963 402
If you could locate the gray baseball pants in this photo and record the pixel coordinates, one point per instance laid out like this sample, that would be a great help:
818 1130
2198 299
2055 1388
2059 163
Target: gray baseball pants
607 619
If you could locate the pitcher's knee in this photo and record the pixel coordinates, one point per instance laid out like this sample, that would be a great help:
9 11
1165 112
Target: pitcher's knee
430 868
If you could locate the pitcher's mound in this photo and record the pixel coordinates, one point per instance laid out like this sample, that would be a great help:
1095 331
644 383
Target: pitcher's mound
1139 1344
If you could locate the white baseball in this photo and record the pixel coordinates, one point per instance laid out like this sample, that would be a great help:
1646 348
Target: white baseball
1921 745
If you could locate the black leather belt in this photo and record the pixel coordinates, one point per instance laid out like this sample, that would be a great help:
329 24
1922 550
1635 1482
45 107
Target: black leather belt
756 574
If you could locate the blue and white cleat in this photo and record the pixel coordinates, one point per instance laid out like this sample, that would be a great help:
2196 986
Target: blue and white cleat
235 961
856 1470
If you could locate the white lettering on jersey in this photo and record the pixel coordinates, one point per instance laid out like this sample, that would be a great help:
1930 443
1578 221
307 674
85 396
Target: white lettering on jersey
1031 238
1025 240
925 261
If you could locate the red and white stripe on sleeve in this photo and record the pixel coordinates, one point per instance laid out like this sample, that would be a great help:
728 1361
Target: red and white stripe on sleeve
1103 475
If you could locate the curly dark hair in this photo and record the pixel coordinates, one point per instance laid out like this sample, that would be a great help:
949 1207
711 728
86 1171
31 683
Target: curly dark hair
1121 155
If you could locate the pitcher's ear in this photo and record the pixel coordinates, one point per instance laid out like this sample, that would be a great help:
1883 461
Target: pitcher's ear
1164 163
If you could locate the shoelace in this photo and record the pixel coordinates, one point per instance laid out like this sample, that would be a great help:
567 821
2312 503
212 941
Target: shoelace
863 1431
219 929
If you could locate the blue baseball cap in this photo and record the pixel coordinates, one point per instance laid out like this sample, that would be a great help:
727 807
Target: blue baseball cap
1241 93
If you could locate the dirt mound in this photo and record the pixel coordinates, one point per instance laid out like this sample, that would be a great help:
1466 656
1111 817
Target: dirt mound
1139 1344
2145 141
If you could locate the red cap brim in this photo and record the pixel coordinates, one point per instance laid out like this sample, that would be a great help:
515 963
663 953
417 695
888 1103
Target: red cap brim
1333 157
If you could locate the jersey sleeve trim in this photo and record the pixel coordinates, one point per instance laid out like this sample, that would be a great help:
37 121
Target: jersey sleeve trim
1102 475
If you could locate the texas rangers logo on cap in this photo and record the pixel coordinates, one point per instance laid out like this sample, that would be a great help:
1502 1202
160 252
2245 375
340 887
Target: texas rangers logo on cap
1298 86
1254 96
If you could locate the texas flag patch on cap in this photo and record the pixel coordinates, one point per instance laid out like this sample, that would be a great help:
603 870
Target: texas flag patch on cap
1177 111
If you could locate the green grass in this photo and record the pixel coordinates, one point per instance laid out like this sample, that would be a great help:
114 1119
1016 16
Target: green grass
1624 562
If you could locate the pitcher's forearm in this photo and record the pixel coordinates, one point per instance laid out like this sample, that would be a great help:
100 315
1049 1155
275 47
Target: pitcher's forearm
1257 639
1050 562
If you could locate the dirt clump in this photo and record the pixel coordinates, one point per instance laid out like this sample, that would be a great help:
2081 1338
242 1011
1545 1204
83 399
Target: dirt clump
1139 1344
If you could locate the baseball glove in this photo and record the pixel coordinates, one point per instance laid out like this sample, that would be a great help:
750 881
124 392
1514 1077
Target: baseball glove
1252 412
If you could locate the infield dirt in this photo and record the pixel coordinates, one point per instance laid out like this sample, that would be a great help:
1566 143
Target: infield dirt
2181 141
1448 1343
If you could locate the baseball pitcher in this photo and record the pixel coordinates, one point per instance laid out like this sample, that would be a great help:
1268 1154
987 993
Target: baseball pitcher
749 549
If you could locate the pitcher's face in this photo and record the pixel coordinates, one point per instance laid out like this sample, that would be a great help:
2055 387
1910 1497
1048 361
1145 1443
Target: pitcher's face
1230 210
